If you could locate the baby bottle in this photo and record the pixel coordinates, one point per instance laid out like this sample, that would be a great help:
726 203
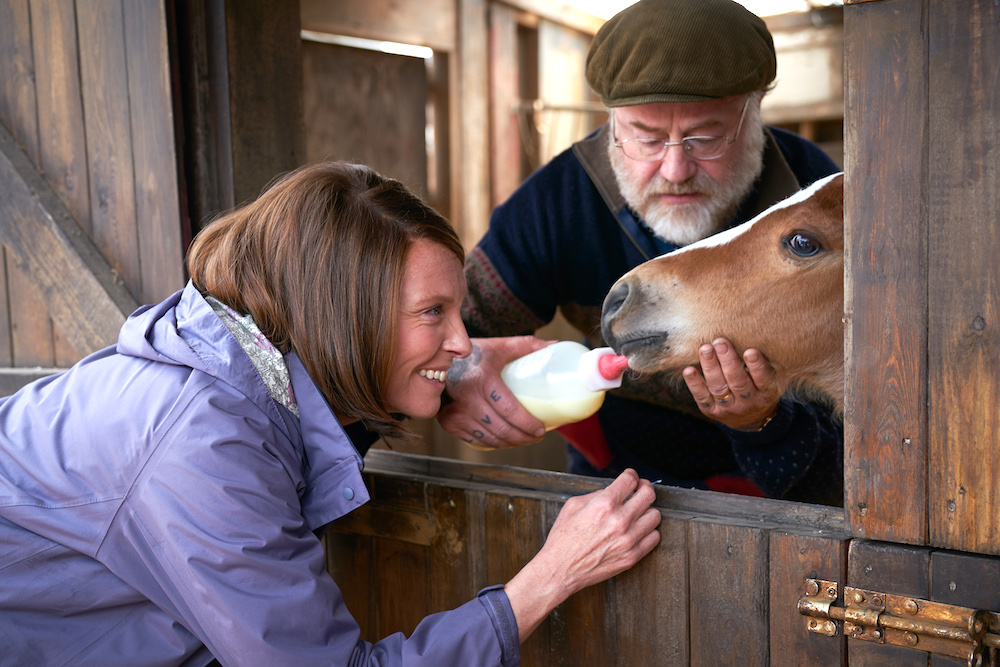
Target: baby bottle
564 382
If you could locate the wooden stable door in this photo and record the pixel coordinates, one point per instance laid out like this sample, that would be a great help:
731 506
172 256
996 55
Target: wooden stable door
906 572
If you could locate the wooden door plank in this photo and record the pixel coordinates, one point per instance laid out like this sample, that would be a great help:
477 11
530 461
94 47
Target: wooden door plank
885 436
63 151
964 277
349 561
265 94
470 145
28 331
794 558
964 580
62 145
729 598
505 135
451 549
887 568
513 532
17 76
104 76
84 296
154 150
380 97
655 634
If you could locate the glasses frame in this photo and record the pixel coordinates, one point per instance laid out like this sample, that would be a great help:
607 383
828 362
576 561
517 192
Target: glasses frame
683 142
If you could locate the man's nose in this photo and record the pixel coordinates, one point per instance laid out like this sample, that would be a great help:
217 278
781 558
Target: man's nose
677 166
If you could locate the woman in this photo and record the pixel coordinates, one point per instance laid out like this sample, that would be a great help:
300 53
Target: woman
158 501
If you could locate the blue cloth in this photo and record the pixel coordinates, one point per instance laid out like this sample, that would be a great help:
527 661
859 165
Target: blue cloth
157 507
562 239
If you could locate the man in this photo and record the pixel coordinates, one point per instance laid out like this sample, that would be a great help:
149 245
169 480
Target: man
683 156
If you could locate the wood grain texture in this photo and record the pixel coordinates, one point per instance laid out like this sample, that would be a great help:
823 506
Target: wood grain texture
265 93
29 331
103 71
892 568
702 597
505 86
729 601
655 634
794 558
964 580
964 276
470 144
885 436
84 295
368 107
62 144
154 150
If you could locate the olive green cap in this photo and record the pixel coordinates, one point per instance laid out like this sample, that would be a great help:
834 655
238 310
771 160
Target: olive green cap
680 51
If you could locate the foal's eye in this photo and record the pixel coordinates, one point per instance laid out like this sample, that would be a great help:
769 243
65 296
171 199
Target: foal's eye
802 244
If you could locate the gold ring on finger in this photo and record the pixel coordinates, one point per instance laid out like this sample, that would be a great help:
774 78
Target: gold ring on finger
723 399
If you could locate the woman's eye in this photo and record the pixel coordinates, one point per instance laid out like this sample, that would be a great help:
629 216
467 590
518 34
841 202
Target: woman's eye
801 244
436 310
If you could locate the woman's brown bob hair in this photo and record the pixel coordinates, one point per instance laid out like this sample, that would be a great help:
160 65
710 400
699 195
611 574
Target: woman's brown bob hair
317 261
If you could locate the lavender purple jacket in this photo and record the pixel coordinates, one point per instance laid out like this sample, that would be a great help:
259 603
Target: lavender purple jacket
157 507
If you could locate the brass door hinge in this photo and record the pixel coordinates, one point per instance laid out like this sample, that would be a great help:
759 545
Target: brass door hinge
960 632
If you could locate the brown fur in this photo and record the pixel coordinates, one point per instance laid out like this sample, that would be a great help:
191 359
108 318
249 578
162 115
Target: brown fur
752 290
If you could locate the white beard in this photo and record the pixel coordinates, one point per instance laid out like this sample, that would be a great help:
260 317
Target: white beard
683 224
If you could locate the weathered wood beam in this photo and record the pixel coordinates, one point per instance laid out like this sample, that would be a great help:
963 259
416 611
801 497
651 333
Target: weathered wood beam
83 294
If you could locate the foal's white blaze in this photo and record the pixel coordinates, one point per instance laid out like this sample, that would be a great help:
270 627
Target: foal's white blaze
724 237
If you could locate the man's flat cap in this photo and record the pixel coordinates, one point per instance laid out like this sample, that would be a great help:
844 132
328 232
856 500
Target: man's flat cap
680 51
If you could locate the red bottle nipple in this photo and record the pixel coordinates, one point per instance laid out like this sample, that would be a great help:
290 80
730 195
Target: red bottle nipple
610 366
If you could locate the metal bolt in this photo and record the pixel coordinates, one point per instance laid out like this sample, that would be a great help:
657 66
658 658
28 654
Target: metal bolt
911 639
876 602
858 598
877 634
952 585
812 588
832 591
951 505
812 624
911 607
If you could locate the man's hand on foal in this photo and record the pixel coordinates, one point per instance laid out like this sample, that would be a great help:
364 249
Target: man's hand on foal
740 393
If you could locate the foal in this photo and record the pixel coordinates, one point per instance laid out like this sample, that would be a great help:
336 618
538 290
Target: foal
775 283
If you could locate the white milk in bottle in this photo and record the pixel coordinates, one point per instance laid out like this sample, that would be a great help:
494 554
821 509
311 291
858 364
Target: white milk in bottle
564 382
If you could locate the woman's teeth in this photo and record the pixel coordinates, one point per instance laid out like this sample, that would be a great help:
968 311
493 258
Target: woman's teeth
433 375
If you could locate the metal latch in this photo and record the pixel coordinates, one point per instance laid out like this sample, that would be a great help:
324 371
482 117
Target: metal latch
960 632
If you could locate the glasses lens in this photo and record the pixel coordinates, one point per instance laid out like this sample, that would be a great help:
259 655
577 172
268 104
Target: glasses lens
643 149
703 148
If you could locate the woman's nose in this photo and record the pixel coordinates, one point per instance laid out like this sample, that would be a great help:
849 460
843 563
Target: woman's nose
458 342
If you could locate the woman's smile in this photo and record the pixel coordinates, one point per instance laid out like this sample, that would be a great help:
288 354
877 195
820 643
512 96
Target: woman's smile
430 332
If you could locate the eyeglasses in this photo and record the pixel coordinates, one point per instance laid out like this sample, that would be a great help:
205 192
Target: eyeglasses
647 149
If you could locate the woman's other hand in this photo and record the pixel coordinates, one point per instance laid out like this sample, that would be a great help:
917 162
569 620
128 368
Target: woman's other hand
595 537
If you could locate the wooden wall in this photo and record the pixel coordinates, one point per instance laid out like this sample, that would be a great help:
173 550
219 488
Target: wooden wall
720 589
87 97
124 125
923 284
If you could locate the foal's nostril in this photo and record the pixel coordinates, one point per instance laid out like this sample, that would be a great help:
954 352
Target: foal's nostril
614 300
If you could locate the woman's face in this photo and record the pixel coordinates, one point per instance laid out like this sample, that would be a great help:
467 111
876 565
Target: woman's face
430 333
